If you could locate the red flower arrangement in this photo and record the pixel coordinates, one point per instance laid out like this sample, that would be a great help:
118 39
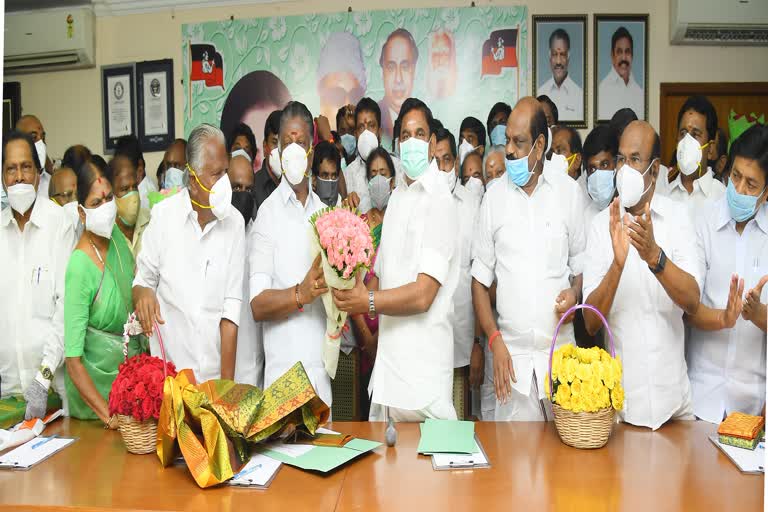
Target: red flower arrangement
138 388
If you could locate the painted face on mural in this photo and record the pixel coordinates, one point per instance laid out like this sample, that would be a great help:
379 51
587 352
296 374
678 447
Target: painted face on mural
441 78
398 65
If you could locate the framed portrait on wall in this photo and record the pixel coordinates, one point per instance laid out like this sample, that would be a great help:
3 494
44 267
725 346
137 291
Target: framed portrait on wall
560 65
155 104
118 92
621 65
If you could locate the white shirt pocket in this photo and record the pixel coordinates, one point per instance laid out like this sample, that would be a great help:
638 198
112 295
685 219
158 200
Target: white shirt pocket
555 250
41 292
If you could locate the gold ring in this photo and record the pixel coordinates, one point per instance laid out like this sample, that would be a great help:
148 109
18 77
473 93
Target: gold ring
316 287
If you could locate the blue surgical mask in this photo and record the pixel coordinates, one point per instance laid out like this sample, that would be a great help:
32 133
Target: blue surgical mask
518 169
173 178
742 206
350 143
601 187
499 135
414 154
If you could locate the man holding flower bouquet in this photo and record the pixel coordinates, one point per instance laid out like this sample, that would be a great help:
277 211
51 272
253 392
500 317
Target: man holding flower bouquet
285 282
416 273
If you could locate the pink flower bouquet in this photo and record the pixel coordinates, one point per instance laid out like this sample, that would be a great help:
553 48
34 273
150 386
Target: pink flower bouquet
344 242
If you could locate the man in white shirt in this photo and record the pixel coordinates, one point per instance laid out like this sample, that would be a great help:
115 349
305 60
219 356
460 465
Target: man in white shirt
530 240
641 273
693 183
619 89
36 239
189 275
368 133
561 88
412 292
599 154
726 351
284 281
466 334
32 126
249 363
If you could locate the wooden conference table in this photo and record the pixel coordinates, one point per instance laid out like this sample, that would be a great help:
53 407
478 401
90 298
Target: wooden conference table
675 468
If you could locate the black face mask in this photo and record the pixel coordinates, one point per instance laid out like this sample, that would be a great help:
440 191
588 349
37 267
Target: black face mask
242 200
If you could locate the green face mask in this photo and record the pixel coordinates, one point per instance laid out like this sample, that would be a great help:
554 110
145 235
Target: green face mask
414 153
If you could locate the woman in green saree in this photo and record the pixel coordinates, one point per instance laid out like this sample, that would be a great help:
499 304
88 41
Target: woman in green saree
97 299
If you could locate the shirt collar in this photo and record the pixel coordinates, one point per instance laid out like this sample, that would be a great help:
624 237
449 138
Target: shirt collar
286 193
659 205
704 182
724 216
428 180
37 218
565 86
615 77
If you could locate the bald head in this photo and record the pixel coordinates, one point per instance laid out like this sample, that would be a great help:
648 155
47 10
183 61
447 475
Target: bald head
240 173
527 131
32 126
639 141
63 186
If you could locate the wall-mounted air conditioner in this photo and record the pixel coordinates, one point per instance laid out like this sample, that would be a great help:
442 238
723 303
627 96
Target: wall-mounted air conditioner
49 40
719 22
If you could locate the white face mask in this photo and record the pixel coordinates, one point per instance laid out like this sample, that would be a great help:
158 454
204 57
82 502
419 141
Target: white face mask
475 186
241 152
688 155
366 143
449 178
274 164
101 219
220 198
631 185
493 182
21 197
379 188
294 163
41 153
70 209
465 148
558 163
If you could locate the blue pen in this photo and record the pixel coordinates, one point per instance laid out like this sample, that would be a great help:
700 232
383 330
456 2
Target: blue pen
247 471
43 441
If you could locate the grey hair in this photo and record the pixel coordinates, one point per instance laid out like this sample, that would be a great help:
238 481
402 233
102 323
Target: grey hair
197 139
492 150
297 109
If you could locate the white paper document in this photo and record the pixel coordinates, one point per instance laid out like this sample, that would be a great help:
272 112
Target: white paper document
475 460
748 461
33 452
259 472
291 450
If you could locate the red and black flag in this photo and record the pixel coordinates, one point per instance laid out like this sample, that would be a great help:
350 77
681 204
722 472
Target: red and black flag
206 65
500 51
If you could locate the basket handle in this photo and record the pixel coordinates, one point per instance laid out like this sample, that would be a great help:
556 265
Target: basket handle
127 339
562 321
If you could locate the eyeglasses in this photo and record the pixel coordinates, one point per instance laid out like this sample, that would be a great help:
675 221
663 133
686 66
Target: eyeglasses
64 197
633 161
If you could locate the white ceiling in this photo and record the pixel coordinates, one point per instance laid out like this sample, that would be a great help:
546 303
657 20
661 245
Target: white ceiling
118 7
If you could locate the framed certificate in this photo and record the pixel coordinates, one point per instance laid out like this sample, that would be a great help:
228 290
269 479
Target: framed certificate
119 108
155 104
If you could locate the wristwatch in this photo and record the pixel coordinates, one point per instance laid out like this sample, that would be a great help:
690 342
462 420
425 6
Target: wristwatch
478 341
47 373
371 306
661 263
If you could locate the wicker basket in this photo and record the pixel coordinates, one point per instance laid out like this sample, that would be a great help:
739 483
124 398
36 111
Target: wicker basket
584 430
140 437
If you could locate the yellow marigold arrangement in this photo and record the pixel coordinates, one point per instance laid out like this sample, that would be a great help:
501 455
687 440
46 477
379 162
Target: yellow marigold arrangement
585 379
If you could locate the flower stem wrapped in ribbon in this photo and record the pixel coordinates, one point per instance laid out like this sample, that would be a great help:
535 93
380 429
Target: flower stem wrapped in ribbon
344 242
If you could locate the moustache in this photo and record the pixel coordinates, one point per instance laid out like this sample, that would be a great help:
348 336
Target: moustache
624 63
559 67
